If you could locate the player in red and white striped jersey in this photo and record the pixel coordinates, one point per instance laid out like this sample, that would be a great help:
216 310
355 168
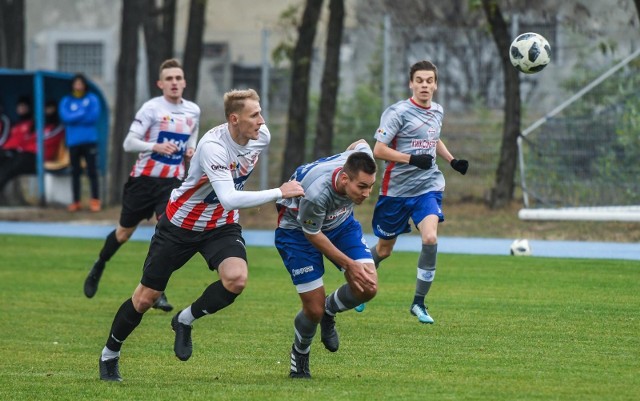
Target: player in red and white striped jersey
164 133
202 217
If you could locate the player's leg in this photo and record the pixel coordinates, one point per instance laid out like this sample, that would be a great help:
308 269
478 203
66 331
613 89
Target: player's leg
167 253
305 266
136 206
224 250
390 219
159 196
91 159
429 213
124 323
349 239
76 170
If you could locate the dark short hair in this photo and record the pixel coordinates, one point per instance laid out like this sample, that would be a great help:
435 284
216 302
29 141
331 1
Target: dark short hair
24 99
357 162
423 65
81 77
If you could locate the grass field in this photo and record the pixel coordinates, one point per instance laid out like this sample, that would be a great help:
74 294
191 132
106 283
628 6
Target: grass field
506 329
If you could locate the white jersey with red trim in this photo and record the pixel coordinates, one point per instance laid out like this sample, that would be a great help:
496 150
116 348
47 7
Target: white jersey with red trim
158 121
195 206
412 129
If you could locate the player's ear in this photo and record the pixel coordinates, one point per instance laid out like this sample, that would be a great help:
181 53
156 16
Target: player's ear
159 83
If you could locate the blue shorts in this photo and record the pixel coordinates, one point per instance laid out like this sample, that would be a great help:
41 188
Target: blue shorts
305 263
391 215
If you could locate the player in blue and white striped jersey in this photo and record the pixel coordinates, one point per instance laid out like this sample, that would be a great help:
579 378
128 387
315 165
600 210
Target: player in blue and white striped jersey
408 139
322 224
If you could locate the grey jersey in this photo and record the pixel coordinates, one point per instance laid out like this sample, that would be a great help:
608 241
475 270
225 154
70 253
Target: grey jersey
322 208
411 129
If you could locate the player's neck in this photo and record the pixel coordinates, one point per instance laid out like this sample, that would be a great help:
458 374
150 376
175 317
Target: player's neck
173 100
237 137
426 104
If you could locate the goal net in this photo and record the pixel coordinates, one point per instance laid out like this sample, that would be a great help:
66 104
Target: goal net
582 160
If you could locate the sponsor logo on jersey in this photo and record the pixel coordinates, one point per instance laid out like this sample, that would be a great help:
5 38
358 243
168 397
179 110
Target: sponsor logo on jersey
381 132
302 270
310 223
216 167
423 143
337 213
233 166
178 139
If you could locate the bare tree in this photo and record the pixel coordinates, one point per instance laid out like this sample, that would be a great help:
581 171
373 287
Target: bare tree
299 99
330 81
193 47
132 15
159 28
12 33
502 192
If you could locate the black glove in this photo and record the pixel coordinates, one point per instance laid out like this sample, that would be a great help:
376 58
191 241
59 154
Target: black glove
460 166
421 161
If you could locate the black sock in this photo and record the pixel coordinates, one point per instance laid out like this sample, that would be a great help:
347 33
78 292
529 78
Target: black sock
125 321
111 246
214 298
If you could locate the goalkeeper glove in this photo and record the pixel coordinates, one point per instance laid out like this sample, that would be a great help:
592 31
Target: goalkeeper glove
421 161
460 166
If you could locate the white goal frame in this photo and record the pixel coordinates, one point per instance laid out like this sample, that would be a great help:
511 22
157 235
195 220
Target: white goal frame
602 213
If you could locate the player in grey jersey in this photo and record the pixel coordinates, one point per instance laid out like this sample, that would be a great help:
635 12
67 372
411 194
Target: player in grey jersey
408 139
321 224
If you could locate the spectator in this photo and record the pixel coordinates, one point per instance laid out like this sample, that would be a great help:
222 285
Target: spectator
79 112
5 126
18 154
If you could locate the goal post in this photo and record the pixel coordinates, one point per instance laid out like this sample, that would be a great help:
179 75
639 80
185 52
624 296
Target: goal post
581 160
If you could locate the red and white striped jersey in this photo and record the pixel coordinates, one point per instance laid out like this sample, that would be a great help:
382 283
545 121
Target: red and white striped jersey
158 121
195 205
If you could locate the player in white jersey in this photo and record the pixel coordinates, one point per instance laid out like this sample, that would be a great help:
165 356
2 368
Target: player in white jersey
408 139
202 217
322 224
164 133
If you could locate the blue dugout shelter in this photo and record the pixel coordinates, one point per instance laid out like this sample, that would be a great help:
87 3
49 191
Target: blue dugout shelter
42 86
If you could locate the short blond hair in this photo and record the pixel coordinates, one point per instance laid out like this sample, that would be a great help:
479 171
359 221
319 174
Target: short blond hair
234 100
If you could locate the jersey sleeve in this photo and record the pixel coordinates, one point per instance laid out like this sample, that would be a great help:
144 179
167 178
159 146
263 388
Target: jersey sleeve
390 124
215 162
311 216
193 139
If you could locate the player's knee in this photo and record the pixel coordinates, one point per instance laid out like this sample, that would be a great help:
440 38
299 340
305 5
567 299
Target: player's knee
314 312
235 282
124 234
143 302
429 239
384 252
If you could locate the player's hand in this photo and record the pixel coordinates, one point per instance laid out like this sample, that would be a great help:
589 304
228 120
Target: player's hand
460 166
188 154
361 276
165 148
291 189
421 161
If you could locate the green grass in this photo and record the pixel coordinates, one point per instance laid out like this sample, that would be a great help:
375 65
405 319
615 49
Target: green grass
506 329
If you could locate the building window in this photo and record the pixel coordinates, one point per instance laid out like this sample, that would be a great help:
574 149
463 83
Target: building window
86 57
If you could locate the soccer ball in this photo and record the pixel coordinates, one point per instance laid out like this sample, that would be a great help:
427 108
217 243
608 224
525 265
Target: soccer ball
530 52
520 247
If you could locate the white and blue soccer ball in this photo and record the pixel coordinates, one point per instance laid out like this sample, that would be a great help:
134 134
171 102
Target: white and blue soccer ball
520 247
530 52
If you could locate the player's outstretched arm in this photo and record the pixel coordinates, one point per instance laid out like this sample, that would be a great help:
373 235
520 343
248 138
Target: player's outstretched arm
231 199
